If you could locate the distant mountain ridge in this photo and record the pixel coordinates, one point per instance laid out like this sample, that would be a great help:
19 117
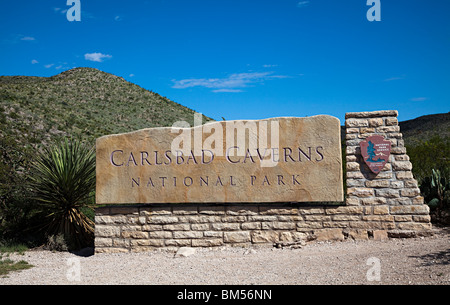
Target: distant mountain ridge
421 129
425 127
89 103
81 102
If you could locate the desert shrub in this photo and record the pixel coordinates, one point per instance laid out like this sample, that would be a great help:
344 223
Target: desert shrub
431 154
15 207
62 180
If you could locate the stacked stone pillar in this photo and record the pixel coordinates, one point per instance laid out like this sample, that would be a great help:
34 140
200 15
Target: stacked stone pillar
391 199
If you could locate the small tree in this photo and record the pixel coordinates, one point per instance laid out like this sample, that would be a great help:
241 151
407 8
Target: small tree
62 180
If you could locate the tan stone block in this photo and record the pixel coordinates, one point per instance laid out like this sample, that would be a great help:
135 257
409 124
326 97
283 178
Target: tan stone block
398 150
102 220
410 209
391 121
382 218
345 217
381 210
397 184
187 234
399 201
177 242
403 218
418 200
412 192
378 183
262 218
308 211
352 200
353 210
160 234
293 236
162 220
335 224
107 231
135 234
212 210
199 219
103 242
225 226
251 226
151 228
329 234
111 250
375 122
240 210
213 234
380 235
200 226
372 225
304 226
121 243
358 234
177 227
415 226
383 129
352 130
356 123
292 218
210 242
147 211
135 243
387 193
412 183
352 166
360 192
184 210
422 218
317 218
402 165
278 211
236 237
351 158
372 114
278 226
234 218
264 236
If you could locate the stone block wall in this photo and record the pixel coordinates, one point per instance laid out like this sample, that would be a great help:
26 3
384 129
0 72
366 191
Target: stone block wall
377 206
392 197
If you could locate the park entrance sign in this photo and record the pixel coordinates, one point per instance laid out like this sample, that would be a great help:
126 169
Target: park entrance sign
273 160
268 182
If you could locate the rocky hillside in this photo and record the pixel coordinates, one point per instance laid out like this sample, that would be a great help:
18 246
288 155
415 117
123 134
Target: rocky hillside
82 102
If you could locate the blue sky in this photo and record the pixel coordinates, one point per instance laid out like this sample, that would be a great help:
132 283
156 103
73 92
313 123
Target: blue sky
247 59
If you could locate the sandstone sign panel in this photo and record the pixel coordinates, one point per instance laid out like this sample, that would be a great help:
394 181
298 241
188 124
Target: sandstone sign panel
273 160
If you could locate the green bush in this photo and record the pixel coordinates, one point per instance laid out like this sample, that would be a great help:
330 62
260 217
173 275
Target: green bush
62 180
428 155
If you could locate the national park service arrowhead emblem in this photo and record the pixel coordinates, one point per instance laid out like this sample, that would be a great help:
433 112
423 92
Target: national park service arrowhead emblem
375 151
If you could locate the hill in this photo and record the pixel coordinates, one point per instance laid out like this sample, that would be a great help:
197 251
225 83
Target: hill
425 127
421 129
90 103
81 102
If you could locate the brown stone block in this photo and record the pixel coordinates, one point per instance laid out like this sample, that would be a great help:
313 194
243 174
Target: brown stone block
329 234
264 236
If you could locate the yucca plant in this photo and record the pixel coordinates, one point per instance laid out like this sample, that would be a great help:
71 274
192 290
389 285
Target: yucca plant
62 180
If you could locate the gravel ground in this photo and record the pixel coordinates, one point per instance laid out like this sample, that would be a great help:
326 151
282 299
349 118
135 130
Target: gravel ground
399 261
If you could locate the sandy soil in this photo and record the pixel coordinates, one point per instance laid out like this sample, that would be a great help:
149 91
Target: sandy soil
396 261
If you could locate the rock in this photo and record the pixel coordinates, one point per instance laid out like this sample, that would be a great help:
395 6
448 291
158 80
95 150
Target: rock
248 172
185 252
250 251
